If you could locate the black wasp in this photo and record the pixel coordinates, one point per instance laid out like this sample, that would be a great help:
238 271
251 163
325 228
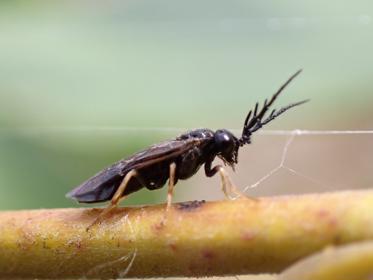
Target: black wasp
177 159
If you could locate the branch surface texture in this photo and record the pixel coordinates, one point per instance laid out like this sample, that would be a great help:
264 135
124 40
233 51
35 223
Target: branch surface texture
192 239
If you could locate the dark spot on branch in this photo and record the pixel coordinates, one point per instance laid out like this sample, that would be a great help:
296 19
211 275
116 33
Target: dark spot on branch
173 246
208 254
190 205
158 226
248 235
337 239
328 217
322 213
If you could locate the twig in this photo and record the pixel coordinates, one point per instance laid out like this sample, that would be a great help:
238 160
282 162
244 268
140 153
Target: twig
353 261
194 239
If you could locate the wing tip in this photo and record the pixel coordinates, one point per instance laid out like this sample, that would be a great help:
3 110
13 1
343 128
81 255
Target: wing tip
72 195
82 195
69 195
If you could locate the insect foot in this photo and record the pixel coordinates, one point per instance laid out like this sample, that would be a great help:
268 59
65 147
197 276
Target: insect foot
229 189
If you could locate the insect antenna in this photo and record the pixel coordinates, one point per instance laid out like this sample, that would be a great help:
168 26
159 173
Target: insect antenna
255 120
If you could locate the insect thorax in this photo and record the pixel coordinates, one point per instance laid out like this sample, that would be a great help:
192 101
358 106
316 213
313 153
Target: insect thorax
200 133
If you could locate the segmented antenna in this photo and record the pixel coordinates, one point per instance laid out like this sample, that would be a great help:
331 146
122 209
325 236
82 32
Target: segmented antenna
254 120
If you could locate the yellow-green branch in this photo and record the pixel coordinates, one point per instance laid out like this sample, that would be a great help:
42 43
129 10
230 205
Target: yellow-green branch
347 262
195 239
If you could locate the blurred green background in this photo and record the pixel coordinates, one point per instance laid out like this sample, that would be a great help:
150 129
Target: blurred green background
85 83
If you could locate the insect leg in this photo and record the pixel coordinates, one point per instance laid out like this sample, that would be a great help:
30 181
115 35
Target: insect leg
171 184
116 197
226 181
227 186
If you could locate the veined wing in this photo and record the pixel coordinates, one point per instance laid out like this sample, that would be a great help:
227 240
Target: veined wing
103 185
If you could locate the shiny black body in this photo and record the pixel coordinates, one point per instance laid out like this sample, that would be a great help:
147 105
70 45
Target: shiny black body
189 152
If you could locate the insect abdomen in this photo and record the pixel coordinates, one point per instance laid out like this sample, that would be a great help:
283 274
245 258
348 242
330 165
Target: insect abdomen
100 187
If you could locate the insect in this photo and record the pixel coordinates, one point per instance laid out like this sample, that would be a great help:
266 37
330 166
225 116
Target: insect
177 159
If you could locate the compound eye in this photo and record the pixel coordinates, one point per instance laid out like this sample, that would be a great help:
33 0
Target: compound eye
223 140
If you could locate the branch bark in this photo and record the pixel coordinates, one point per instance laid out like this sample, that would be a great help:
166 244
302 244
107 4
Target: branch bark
194 239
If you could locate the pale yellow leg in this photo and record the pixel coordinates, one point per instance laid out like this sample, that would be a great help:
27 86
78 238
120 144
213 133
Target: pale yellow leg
116 198
171 185
229 188
224 178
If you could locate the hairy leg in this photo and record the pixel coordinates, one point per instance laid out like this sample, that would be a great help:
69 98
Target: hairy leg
116 197
227 186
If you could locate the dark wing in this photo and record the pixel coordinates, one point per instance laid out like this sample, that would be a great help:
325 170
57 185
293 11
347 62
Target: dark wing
102 186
